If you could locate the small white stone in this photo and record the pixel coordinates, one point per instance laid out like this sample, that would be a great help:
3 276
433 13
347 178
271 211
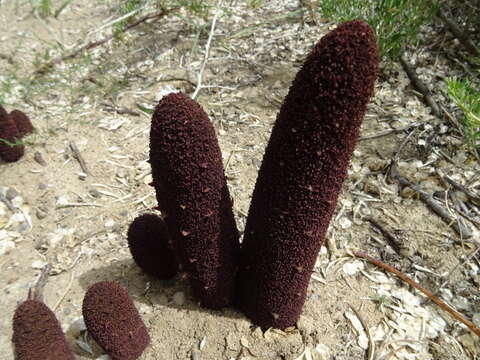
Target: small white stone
351 268
62 200
110 224
345 223
323 351
17 201
38 264
5 246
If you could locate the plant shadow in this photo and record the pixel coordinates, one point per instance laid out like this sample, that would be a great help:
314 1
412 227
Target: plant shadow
174 293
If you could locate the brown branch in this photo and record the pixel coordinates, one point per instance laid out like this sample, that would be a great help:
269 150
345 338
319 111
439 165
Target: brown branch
420 86
459 227
91 45
388 132
475 198
36 293
392 240
417 286
459 34
78 156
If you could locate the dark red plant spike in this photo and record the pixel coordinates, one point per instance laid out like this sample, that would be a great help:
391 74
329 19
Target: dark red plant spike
151 247
3 112
22 122
302 172
113 321
10 149
186 160
37 334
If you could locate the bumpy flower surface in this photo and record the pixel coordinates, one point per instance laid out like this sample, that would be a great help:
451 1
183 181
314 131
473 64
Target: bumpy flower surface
150 246
22 122
302 172
37 335
114 322
10 150
193 196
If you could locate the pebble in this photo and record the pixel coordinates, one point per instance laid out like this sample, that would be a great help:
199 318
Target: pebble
5 246
111 225
41 213
162 300
94 193
38 264
17 201
11 194
38 157
179 298
306 325
23 227
121 173
144 309
345 223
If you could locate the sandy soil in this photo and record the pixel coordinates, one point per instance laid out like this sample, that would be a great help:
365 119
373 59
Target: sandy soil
78 224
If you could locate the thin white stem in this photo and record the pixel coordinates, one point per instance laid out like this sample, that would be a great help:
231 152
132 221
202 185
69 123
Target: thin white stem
207 53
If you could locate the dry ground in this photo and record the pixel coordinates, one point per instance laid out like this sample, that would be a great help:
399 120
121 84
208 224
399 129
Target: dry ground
78 224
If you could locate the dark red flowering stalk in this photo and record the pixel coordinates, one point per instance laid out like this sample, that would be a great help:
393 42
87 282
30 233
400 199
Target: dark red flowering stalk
10 149
302 172
113 321
192 194
22 122
37 334
150 246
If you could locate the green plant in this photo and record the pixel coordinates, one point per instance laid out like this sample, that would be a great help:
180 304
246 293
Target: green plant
254 4
128 8
396 22
466 97
382 301
45 8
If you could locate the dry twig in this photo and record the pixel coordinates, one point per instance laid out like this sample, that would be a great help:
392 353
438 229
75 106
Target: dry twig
475 198
420 86
417 286
392 240
79 157
460 228
91 45
36 293
371 343
207 54
459 34
388 132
